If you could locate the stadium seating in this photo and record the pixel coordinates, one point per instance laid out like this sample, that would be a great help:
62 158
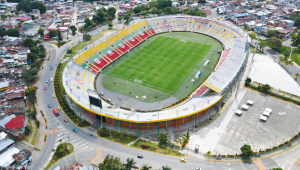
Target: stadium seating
222 58
200 91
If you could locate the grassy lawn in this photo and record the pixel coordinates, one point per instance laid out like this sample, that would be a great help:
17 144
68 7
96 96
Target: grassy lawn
296 58
155 148
163 66
33 133
115 136
60 152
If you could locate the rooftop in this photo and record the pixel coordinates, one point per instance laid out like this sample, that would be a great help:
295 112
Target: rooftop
6 158
15 123
23 155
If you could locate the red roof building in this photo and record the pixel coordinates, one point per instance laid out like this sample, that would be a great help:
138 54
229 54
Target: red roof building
15 123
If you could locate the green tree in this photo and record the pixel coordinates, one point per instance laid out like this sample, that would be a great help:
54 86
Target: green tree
129 163
144 12
163 138
31 56
168 10
276 43
34 49
13 32
297 21
146 167
41 55
166 168
153 10
52 33
96 19
252 35
137 10
126 17
248 81
273 33
88 21
297 75
73 32
152 4
276 169
264 89
29 74
59 36
110 25
162 4
28 42
246 151
201 1
33 17
111 11
88 37
120 18
263 44
41 32
72 27
30 93
111 163
42 49
2 32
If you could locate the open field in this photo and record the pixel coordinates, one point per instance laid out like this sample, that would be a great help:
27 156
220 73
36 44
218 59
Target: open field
163 66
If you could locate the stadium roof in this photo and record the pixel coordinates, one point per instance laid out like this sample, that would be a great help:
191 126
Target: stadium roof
231 66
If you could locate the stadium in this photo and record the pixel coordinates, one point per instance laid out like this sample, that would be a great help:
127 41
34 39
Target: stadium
158 73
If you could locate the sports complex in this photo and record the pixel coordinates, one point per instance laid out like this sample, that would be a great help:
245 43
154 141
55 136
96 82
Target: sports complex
159 72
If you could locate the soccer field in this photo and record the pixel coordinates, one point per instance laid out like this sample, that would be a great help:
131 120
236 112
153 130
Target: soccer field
163 64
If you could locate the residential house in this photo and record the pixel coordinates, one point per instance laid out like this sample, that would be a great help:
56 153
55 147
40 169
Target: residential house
13 126
12 41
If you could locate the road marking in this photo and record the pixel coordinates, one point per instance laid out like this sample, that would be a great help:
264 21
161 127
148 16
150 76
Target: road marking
76 156
291 165
260 165
298 162
243 166
66 160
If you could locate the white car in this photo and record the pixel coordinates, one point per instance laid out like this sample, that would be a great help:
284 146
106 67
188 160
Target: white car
51 79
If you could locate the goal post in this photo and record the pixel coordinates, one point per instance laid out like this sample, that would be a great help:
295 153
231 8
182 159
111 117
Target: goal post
138 81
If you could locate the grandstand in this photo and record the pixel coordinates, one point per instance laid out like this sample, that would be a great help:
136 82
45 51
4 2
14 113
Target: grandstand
79 74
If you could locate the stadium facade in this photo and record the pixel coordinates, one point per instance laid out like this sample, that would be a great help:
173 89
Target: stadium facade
80 73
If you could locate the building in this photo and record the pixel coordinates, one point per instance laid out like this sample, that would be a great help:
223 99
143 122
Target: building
12 41
4 85
6 158
23 158
285 23
240 19
13 126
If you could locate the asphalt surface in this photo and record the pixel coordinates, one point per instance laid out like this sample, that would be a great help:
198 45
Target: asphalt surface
88 135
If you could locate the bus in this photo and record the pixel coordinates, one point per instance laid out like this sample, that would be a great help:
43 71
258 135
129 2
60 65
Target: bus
55 112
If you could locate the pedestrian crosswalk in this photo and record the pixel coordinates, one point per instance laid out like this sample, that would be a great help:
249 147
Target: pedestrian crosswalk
64 136
298 162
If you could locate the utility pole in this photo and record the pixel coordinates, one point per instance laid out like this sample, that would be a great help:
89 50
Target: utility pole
83 33
262 23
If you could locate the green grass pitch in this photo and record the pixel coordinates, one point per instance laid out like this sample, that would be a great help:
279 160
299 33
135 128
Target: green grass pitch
163 64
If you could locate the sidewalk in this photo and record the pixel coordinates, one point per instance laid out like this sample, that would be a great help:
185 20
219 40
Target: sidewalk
42 130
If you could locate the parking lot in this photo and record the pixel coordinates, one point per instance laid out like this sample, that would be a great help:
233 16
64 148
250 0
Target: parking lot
229 132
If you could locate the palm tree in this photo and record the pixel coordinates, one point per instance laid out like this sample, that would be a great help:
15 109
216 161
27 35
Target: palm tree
130 163
297 75
282 59
146 167
166 168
